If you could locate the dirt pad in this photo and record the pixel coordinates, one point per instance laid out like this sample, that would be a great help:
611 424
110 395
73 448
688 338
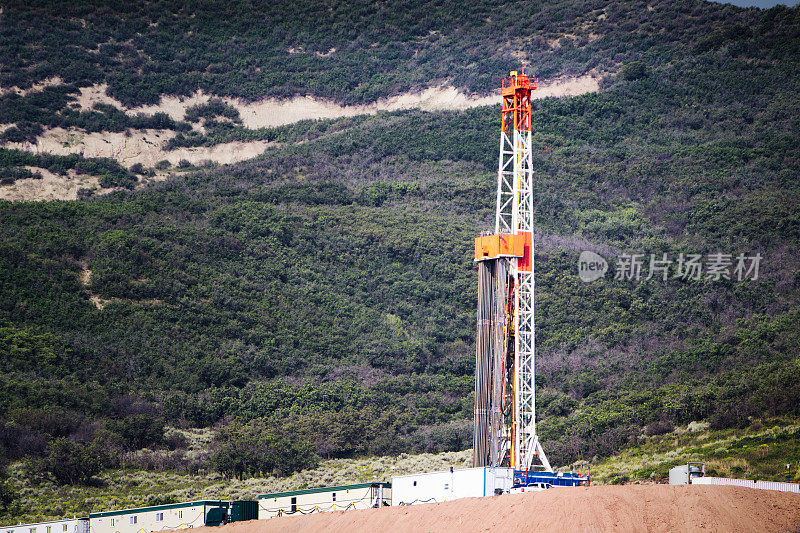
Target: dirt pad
609 508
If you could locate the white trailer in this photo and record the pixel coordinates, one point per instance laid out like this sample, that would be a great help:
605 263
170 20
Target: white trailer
340 498
72 525
147 519
781 486
172 516
451 485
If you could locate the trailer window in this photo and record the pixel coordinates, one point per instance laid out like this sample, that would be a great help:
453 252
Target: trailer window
159 517
294 504
334 496
180 514
133 519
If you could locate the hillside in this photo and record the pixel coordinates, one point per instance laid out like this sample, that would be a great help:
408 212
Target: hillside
320 297
354 52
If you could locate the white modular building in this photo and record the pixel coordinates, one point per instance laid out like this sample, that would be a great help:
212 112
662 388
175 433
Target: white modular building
781 486
451 485
340 498
171 516
72 525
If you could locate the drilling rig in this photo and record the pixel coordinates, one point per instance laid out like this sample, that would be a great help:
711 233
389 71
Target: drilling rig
505 399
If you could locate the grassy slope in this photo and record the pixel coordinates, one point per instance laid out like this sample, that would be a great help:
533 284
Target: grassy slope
757 452
760 451
118 489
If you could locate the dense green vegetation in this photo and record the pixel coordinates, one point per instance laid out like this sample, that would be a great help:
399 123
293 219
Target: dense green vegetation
253 448
323 294
359 51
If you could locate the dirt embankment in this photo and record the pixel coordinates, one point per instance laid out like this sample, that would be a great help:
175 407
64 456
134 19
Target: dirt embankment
269 112
146 147
49 187
611 508
137 146
272 112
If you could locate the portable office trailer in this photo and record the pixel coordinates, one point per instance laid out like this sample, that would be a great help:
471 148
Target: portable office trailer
341 498
451 485
172 516
72 525
781 486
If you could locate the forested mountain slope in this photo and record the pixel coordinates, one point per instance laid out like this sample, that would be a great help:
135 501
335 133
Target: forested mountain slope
352 51
323 293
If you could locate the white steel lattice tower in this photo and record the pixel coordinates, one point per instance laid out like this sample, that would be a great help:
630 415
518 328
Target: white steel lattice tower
505 400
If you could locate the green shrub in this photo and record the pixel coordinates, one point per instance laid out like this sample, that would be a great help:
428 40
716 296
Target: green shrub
69 463
619 479
139 430
633 71
245 450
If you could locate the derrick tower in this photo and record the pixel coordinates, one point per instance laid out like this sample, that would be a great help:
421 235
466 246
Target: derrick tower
505 402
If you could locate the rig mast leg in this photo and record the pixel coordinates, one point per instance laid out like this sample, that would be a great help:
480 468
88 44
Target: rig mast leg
483 365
